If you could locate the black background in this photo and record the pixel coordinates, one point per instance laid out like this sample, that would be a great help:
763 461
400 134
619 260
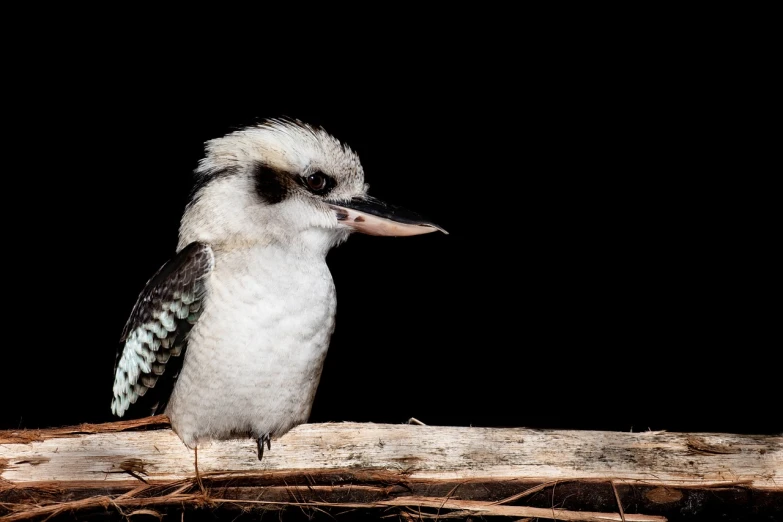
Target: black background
609 264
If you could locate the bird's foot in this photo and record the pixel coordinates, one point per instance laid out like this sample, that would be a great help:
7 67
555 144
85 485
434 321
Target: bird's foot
260 442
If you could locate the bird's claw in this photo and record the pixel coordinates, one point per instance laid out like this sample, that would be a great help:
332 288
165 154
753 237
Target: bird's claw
260 443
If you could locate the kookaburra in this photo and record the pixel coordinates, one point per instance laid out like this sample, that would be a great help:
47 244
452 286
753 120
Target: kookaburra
228 338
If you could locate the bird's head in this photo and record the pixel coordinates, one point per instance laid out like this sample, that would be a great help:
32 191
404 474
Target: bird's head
285 181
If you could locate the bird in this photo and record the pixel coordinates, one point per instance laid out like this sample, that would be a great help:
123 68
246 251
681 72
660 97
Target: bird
229 337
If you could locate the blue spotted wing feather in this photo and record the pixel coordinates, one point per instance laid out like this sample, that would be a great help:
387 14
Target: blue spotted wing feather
155 337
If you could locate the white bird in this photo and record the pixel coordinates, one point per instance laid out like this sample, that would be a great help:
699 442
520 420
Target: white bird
228 338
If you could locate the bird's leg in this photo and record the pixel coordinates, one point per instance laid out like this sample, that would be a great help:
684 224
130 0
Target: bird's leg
260 443
198 475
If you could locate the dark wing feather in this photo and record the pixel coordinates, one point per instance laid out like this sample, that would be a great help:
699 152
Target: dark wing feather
155 337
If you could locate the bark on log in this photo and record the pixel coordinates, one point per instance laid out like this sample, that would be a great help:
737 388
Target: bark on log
142 468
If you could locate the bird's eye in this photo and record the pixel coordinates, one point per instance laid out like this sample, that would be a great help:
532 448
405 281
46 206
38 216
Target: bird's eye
318 182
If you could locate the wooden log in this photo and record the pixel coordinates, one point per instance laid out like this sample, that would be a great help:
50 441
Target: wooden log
141 467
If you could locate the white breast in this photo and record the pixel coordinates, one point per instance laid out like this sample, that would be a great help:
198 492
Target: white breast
255 356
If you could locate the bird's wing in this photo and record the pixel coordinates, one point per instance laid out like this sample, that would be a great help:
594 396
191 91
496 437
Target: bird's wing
154 340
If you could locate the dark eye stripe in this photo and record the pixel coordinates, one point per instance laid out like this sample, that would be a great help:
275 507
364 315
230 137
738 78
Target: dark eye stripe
271 184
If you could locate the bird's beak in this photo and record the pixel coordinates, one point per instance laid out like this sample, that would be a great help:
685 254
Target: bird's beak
376 218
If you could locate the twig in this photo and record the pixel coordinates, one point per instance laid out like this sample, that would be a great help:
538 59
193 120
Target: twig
619 504
469 506
198 475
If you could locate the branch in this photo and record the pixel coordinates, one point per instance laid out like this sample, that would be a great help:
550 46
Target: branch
419 471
